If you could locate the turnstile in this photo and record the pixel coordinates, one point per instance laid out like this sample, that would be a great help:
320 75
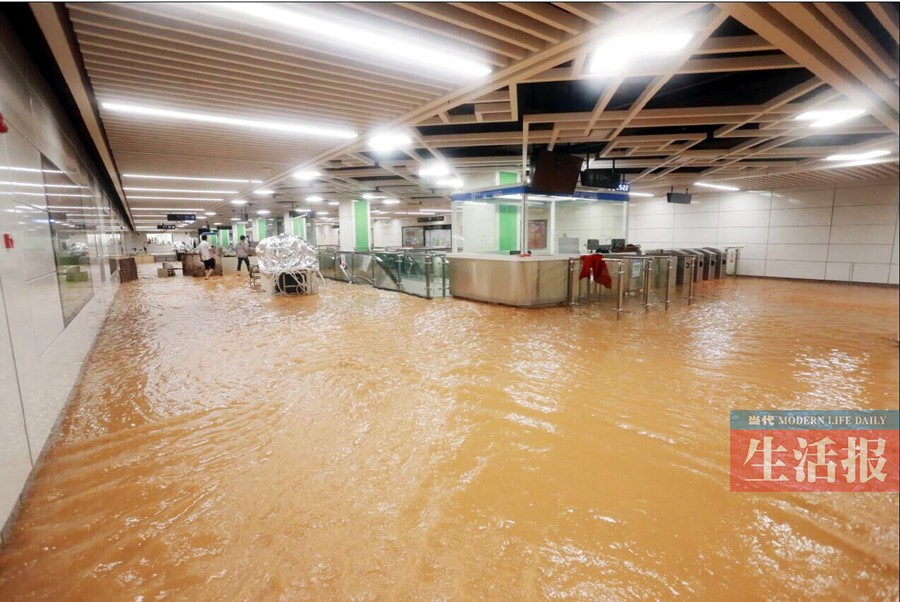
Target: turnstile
717 270
702 268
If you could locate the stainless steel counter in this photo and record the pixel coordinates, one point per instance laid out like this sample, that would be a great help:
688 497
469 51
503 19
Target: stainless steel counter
535 281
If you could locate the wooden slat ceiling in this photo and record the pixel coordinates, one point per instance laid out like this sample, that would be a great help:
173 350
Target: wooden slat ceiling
722 110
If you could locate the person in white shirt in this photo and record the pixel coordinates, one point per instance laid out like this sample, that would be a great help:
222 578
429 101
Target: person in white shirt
206 255
243 253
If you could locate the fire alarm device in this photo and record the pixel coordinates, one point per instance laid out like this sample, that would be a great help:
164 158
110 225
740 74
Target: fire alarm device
8 241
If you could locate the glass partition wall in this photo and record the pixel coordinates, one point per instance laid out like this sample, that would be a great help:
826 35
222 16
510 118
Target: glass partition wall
555 225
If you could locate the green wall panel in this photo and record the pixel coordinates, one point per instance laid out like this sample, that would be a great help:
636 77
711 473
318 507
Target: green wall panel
361 221
509 227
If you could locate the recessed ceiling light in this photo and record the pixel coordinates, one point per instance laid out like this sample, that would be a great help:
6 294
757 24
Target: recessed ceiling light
307 175
321 213
263 212
383 143
716 186
334 203
154 177
293 128
617 53
262 191
858 156
372 195
411 51
210 213
217 223
391 202
434 170
235 219
238 202
314 199
647 194
827 118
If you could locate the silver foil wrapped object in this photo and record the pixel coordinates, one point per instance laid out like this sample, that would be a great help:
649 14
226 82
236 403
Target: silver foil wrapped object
285 252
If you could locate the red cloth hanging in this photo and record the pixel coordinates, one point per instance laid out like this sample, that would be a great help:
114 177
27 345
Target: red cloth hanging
594 263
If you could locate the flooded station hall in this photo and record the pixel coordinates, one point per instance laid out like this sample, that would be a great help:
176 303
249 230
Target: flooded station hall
449 301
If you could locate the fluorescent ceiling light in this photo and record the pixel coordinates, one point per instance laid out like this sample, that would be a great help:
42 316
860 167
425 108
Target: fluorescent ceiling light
372 195
364 39
451 183
153 177
334 203
294 128
181 190
217 223
646 194
263 212
391 202
307 175
210 213
30 169
861 162
617 53
858 156
238 202
383 143
170 198
166 209
314 199
321 213
235 219
434 170
716 186
824 119
263 191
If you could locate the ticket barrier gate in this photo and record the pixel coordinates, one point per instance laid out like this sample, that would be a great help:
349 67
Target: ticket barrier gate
717 269
701 271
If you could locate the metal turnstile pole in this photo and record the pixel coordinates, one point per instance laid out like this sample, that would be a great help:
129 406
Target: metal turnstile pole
691 281
619 290
429 274
668 278
648 268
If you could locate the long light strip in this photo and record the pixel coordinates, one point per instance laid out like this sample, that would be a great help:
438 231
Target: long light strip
396 48
151 177
642 194
827 118
170 198
180 190
858 156
294 128
717 186
166 209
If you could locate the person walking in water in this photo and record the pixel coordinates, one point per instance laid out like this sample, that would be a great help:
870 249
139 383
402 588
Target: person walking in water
243 253
206 255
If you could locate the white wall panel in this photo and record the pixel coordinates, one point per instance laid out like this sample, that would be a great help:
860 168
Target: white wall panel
744 219
871 272
814 270
751 267
800 235
644 222
802 199
866 195
871 235
798 252
860 253
696 220
732 236
864 214
744 201
819 216
838 271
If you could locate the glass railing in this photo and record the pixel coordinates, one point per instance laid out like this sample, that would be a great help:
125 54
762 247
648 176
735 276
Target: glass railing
422 273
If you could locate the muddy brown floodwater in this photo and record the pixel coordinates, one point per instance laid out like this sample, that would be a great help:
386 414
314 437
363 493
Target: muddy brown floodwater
366 445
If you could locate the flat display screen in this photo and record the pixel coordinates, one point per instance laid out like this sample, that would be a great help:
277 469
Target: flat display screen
555 173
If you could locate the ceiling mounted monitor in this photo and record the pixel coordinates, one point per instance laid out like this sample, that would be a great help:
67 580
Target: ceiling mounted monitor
555 173
683 198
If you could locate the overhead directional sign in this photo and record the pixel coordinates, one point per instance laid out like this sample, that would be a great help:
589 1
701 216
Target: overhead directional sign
181 217
165 226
